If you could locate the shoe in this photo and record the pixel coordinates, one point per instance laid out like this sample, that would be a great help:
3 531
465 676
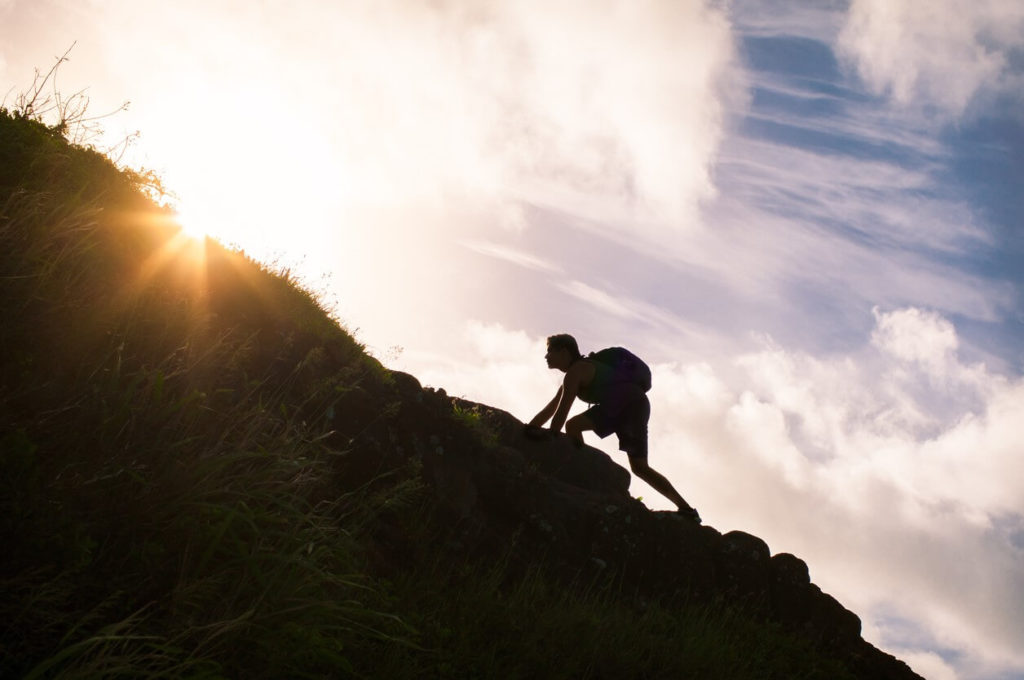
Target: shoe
689 513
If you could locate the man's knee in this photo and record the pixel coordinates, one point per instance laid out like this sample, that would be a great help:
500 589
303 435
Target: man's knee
577 425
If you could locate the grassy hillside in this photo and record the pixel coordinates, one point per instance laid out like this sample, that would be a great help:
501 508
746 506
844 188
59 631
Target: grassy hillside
199 477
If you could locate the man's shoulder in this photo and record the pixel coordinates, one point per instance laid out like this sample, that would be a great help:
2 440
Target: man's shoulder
582 369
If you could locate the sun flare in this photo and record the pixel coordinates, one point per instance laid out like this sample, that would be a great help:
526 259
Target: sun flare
194 224
201 221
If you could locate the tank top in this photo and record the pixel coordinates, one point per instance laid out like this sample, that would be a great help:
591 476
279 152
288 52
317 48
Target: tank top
597 390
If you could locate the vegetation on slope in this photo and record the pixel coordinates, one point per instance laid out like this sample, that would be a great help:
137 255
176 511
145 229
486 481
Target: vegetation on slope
183 491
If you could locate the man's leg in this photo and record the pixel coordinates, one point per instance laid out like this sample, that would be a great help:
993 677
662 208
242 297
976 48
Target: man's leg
657 481
576 426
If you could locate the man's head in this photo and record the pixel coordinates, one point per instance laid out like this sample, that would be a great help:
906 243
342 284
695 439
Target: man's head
562 351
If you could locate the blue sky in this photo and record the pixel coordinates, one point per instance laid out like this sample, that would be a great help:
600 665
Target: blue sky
806 216
960 217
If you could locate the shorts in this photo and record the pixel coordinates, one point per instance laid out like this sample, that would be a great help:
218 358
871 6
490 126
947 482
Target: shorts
625 411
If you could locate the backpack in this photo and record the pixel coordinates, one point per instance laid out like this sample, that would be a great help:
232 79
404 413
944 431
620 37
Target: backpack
626 366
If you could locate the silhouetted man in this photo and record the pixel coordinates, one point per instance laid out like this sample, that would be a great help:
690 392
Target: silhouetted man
617 406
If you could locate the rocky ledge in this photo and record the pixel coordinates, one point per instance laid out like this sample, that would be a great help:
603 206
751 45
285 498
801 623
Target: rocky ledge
503 495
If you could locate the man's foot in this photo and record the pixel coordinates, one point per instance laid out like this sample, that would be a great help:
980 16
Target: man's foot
689 513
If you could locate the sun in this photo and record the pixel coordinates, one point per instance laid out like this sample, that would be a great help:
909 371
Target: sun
244 225
232 227
195 224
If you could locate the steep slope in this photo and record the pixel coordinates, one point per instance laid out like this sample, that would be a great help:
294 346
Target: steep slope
570 509
201 473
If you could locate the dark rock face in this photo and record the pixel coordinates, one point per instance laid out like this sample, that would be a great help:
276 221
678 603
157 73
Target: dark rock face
571 506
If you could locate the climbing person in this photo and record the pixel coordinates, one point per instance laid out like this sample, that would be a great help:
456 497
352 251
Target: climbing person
615 382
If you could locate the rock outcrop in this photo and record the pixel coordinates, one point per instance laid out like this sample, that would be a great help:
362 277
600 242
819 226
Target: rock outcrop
503 495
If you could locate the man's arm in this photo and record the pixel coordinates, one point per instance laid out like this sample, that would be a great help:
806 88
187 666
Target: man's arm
567 395
547 411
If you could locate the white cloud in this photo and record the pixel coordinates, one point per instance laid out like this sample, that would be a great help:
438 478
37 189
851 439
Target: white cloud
917 476
941 53
500 367
620 99
611 99
917 336
927 664
495 344
979 461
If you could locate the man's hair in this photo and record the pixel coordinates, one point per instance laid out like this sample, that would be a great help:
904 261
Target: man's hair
565 341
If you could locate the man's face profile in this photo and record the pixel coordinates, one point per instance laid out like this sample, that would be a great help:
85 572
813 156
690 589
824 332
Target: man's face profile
555 356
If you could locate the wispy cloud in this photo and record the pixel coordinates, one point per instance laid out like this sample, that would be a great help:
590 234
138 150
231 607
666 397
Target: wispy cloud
836 202
512 255
602 301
